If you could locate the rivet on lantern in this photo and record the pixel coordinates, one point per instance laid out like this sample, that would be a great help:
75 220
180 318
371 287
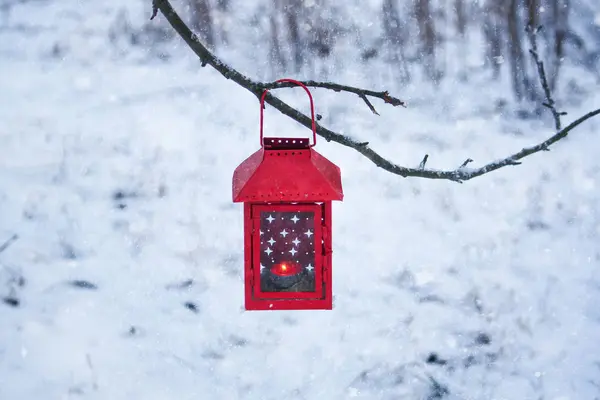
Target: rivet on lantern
287 233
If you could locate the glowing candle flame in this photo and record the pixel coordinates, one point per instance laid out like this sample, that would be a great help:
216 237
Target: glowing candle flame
285 269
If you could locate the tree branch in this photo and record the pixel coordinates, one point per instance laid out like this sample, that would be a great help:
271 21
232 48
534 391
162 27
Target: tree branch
532 34
457 175
362 93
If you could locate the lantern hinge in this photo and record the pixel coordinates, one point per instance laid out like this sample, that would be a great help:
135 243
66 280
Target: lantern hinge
327 249
254 226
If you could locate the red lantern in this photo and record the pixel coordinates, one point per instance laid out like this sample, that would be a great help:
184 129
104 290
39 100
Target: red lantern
287 189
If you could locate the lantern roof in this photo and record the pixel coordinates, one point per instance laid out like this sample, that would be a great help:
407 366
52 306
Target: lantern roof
287 170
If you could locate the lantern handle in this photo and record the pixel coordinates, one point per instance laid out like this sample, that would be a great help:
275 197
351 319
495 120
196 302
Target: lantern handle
312 109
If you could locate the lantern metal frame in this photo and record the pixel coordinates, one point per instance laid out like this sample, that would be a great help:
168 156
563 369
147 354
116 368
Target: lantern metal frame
287 175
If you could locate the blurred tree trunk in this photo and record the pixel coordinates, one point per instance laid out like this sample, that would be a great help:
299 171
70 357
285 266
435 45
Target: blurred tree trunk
516 59
276 57
221 20
560 14
532 12
291 11
395 34
202 21
494 27
461 17
427 38
461 22
322 29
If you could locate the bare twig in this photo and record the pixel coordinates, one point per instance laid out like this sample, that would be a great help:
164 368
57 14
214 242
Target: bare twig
366 100
458 175
362 93
423 162
154 10
464 164
549 103
6 244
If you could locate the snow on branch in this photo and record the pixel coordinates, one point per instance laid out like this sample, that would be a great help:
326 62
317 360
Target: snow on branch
459 174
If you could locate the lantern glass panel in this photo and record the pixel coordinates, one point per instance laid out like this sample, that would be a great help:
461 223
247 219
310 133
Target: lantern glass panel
287 251
288 242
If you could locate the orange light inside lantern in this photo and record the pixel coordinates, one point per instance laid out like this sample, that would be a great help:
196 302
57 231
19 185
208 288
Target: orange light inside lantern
285 268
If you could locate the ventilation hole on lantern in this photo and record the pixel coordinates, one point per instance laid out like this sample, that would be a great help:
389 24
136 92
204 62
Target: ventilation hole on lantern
285 154
278 154
279 140
293 153
293 141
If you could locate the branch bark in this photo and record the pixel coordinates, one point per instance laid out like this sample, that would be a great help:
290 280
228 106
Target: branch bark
457 175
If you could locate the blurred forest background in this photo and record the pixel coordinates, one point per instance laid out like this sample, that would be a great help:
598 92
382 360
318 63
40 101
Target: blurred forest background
402 41
422 37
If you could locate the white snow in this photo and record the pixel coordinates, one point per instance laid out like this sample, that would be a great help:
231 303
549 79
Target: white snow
499 276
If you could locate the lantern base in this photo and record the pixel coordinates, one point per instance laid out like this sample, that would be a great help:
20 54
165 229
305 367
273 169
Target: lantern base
287 304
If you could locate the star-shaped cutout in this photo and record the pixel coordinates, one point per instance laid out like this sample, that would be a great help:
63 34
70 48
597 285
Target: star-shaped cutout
271 241
308 233
310 267
293 251
296 242
268 251
284 233
260 231
295 219
270 218
262 267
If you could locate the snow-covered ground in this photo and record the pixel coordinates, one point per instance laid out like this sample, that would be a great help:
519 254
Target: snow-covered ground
115 173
